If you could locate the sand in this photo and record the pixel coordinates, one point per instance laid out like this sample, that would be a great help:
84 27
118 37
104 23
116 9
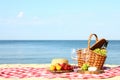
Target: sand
46 65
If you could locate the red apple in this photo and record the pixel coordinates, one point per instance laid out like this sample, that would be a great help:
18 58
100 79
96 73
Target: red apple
64 64
70 68
65 67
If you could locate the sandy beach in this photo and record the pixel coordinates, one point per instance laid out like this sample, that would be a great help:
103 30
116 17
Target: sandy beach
46 66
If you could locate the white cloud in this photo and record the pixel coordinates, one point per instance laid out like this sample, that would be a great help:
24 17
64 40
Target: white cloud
20 14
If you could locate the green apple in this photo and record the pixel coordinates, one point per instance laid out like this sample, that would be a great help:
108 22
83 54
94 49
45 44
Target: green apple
85 67
100 51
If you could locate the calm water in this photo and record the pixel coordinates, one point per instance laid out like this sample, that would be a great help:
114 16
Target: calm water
43 51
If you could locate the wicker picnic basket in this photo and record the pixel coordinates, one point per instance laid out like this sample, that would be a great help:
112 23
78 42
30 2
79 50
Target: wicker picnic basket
95 59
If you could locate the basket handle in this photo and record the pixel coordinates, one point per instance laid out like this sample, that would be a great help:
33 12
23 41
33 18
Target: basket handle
89 40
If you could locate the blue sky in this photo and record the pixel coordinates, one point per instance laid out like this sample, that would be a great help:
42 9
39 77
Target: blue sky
59 19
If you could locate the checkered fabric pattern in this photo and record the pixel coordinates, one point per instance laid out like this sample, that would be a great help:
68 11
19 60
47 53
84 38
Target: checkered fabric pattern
27 72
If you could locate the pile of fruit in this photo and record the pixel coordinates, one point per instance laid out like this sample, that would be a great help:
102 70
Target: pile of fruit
86 67
61 67
102 52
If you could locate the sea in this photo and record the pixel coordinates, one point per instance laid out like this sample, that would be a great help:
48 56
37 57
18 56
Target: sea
43 51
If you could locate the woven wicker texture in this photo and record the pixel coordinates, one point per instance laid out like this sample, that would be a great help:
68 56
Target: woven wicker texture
95 59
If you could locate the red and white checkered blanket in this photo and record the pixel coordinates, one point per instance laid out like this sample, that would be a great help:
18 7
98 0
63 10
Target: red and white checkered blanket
27 72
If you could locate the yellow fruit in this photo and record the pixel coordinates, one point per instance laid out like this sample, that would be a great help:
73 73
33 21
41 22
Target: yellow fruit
58 67
52 68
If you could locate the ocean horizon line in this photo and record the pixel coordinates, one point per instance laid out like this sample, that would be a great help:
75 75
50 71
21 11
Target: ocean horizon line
56 40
